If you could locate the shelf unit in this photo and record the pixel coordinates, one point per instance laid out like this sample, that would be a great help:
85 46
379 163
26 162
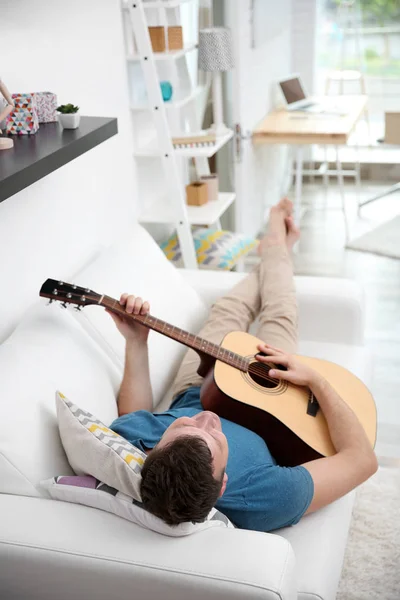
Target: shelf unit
168 55
151 149
180 100
169 119
207 214
160 4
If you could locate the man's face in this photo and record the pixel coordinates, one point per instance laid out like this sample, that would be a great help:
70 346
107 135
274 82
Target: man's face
206 425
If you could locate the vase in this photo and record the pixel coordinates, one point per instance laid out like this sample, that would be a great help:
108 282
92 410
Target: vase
166 90
69 121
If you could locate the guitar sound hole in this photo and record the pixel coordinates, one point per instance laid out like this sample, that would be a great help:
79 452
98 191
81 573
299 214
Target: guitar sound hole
267 383
259 373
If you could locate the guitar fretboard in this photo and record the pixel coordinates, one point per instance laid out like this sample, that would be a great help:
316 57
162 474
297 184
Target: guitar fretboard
182 336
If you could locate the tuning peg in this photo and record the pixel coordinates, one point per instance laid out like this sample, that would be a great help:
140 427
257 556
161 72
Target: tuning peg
50 301
64 304
78 308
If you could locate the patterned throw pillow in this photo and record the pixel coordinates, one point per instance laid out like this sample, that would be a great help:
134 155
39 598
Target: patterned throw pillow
214 249
91 492
92 448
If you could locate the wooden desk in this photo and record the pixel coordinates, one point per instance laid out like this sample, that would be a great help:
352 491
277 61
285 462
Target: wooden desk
295 127
305 128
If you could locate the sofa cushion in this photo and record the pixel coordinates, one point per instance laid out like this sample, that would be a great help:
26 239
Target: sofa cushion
91 492
215 249
138 266
319 542
50 350
94 449
47 351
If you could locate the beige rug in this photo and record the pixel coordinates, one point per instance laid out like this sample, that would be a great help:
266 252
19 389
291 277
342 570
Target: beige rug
371 568
384 240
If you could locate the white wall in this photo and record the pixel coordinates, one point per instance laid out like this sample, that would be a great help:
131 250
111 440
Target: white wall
304 40
50 229
263 56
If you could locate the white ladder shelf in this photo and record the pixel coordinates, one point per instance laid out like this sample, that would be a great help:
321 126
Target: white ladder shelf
171 208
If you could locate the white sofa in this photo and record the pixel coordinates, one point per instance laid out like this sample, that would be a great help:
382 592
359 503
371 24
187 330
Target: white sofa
51 549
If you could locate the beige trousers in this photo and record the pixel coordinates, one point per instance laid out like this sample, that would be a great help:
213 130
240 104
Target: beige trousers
268 293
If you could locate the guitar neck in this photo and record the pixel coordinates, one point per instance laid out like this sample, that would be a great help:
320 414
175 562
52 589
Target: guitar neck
180 335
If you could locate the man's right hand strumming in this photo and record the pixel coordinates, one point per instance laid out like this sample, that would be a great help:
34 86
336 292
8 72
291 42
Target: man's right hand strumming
296 372
355 461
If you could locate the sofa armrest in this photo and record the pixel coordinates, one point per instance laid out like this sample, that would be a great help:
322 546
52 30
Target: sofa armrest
210 285
330 309
51 549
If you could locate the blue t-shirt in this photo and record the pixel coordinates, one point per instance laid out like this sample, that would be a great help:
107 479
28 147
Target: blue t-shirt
259 495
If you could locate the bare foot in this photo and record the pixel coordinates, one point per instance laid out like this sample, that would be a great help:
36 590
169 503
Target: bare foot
277 230
293 232
286 206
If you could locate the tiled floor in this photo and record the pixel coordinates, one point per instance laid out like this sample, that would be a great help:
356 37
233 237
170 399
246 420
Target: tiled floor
322 252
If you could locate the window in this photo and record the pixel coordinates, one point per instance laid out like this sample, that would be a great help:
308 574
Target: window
363 36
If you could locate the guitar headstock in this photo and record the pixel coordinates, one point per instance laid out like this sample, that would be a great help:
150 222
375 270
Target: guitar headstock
68 293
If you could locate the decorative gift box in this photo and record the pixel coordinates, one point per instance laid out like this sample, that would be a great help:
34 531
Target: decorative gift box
392 127
196 193
46 103
157 37
212 185
175 37
24 118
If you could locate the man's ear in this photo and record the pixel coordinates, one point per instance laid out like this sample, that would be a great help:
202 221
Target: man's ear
224 482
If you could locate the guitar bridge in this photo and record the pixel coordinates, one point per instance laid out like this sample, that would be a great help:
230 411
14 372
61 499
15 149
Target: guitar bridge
312 406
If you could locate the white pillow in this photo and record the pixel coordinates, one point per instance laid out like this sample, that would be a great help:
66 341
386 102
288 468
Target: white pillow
91 492
93 448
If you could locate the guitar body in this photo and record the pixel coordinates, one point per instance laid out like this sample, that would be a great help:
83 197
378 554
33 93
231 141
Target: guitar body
286 416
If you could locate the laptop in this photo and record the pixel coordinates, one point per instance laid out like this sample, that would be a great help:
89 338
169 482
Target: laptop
296 98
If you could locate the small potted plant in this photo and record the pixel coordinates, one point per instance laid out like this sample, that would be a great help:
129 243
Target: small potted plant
68 116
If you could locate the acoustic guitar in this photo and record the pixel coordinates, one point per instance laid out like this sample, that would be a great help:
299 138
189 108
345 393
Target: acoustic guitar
238 387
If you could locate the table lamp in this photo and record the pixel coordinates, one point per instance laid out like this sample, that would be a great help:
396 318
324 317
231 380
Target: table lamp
215 56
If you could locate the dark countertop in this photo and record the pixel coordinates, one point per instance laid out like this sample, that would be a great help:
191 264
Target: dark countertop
35 156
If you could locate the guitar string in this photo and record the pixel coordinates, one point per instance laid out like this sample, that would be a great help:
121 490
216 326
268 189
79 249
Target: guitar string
216 351
201 344
260 371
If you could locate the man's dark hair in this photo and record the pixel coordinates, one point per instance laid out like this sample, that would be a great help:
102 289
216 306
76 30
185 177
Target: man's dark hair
178 484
